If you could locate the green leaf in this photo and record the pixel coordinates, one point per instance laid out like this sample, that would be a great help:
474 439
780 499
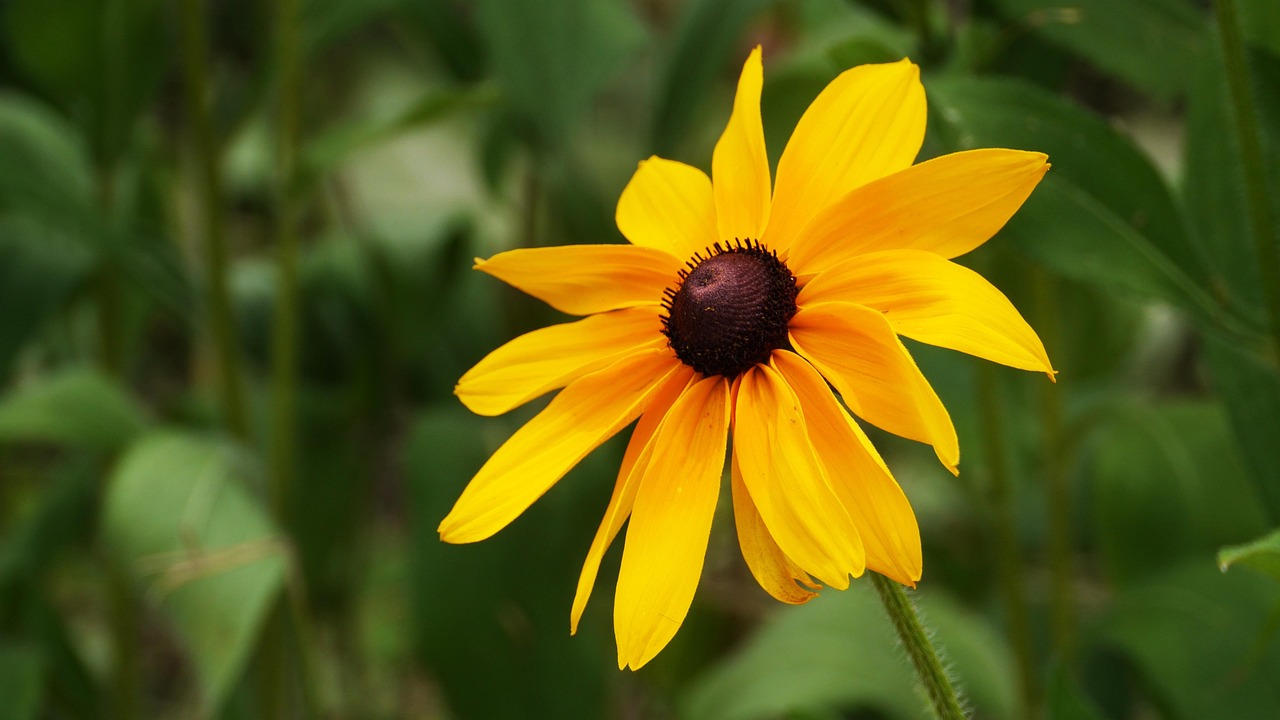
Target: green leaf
40 272
77 408
177 514
839 652
551 57
21 671
1198 641
1137 40
1103 214
1261 554
1214 187
103 59
44 167
1169 485
1214 195
495 614
1261 21
706 36
1250 387
328 150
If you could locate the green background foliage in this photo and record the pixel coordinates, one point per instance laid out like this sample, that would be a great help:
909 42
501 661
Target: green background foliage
198 521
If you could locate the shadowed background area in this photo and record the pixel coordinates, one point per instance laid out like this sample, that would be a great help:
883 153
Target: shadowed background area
236 242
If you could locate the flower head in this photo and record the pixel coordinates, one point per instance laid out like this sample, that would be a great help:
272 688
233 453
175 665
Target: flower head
736 309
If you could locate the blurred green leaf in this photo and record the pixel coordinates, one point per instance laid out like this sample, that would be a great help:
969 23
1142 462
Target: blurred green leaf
328 150
1214 195
40 271
176 512
21 671
44 168
102 59
1261 21
1168 485
495 614
78 408
551 57
1103 214
1261 554
1137 40
63 516
449 28
1066 700
1199 641
706 36
1250 387
1214 187
839 652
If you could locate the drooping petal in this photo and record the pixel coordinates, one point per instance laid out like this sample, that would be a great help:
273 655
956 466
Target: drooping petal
671 522
948 205
587 279
858 476
857 351
928 298
554 356
775 572
786 481
639 450
586 413
669 206
868 123
739 165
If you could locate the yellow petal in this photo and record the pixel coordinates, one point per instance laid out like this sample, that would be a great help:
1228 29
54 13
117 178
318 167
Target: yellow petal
858 476
586 413
671 522
935 301
775 572
669 206
739 165
552 357
856 351
868 123
639 450
786 481
587 279
948 205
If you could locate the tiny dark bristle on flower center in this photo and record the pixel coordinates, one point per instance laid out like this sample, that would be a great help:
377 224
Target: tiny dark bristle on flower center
730 309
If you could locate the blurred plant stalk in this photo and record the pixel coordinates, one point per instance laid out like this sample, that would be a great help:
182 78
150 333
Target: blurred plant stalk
1249 140
221 324
1008 559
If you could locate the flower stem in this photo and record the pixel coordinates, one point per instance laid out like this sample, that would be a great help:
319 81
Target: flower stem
196 70
1257 200
1008 561
946 703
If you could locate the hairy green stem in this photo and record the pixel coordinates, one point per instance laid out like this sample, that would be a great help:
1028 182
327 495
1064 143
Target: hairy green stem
1008 559
1262 224
942 694
209 175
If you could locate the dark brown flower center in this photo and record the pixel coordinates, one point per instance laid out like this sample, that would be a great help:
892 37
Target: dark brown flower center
730 309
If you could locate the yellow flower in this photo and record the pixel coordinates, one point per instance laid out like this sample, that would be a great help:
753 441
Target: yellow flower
735 310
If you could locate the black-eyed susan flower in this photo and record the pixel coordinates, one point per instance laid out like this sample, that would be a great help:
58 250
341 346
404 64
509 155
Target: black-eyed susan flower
735 311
